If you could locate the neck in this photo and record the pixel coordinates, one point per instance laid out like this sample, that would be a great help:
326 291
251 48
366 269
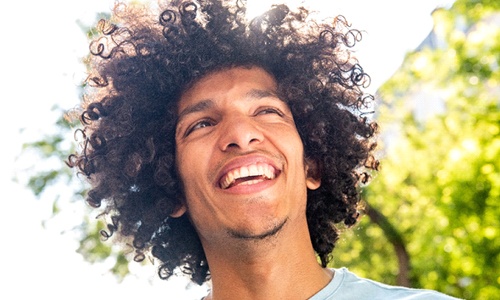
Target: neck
283 266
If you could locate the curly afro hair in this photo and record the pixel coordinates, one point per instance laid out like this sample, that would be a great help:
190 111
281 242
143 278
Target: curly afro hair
139 66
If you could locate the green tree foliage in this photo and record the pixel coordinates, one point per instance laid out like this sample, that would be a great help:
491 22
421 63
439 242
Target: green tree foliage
433 211
51 180
439 185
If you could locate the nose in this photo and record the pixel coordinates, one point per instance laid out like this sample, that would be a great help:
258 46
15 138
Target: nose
239 133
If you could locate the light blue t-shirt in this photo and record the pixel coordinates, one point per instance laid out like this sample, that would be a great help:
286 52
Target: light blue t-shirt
347 286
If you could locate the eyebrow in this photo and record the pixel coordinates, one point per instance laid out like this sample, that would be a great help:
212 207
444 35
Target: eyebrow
200 106
256 94
253 94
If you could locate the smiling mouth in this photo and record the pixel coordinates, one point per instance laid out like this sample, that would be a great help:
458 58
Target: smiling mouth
247 175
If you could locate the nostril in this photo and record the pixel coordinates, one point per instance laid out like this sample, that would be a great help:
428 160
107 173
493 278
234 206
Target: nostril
238 133
233 145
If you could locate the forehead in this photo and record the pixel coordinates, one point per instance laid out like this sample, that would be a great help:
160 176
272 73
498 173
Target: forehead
227 81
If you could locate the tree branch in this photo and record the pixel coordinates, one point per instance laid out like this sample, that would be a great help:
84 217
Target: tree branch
396 239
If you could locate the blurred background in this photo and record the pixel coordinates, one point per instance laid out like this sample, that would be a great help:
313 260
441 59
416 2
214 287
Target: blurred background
432 213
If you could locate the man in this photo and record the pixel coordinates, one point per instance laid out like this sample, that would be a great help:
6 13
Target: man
230 148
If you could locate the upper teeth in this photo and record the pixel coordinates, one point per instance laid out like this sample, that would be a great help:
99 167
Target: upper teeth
258 169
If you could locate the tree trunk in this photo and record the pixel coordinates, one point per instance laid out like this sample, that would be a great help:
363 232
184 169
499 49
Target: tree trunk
397 242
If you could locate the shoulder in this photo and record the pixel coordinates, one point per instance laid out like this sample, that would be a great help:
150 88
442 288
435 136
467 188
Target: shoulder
347 285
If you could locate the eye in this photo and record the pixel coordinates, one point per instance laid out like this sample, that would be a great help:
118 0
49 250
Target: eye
269 110
199 125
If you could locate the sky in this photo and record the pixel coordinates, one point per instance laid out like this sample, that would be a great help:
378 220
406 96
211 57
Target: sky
41 50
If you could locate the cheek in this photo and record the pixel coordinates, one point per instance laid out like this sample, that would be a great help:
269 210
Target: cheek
294 152
192 166
186 169
294 148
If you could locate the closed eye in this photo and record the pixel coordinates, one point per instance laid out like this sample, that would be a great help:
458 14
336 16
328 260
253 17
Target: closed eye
199 125
269 110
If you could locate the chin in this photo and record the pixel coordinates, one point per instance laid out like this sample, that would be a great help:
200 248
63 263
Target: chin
265 234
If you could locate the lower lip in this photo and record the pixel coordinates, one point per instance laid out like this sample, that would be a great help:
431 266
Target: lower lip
250 188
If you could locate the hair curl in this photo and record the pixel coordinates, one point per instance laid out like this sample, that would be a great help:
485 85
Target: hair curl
139 68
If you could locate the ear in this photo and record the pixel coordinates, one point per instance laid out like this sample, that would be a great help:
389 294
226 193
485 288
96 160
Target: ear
179 211
313 175
313 183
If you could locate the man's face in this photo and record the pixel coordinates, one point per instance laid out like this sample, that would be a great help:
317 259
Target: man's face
239 156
